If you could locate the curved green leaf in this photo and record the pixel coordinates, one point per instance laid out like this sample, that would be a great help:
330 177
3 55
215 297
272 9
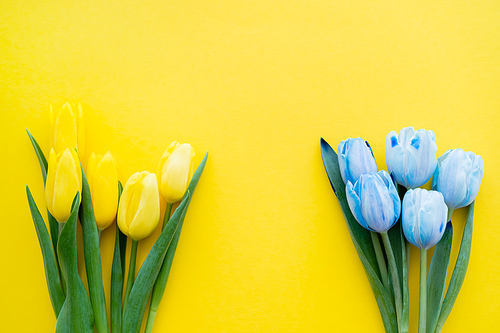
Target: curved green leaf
161 282
117 278
92 254
41 157
149 271
49 260
143 285
458 276
76 313
361 239
436 281
54 227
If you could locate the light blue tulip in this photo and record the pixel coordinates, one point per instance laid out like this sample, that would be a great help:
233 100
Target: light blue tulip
458 176
355 159
411 156
424 217
374 201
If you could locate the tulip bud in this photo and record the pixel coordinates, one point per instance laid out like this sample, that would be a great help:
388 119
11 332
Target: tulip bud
103 182
139 207
374 201
411 156
64 180
67 128
175 171
424 217
355 159
458 177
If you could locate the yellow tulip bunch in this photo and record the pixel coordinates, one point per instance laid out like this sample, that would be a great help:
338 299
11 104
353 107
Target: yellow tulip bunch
97 198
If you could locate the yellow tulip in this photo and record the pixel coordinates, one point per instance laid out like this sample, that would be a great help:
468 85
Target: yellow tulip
103 182
139 207
175 171
67 128
64 179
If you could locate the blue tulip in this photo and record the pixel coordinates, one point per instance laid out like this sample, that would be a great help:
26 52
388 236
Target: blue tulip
355 159
458 176
411 156
374 201
424 217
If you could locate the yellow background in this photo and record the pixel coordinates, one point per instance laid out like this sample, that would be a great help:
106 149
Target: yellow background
264 247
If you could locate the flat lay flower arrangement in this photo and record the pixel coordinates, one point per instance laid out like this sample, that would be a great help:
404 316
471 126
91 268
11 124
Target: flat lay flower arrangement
94 197
385 212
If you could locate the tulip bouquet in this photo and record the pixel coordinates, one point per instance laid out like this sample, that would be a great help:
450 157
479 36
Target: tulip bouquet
97 198
385 212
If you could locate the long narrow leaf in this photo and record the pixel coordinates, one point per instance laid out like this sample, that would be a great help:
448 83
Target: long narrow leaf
54 227
92 254
361 240
161 282
49 260
150 269
76 313
458 276
41 157
117 280
143 285
436 281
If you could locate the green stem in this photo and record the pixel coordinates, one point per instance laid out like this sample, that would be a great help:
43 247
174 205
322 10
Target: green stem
157 295
394 276
380 259
408 247
450 214
61 226
168 211
423 292
131 272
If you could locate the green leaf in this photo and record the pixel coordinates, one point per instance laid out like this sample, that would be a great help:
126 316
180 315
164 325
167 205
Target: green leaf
143 285
92 254
54 227
76 313
458 276
49 260
150 269
436 281
361 239
40 155
398 244
117 278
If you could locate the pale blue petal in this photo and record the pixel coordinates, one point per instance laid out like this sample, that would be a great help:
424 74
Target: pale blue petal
355 204
408 218
377 206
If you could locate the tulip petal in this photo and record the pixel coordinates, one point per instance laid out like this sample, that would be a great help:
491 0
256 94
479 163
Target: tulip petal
409 218
175 173
123 205
91 167
65 135
104 192
148 213
376 205
355 204
170 149
80 132
49 184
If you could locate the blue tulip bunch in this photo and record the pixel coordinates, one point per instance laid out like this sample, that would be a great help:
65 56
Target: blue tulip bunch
390 206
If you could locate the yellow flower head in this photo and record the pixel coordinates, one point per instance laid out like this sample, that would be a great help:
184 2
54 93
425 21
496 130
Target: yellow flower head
64 180
175 171
139 207
67 128
103 182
